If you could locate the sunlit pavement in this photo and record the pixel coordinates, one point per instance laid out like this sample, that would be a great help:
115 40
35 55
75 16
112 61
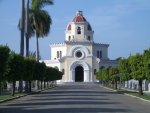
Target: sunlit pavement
76 98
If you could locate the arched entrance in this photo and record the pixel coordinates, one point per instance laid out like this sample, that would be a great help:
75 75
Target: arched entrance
79 74
82 68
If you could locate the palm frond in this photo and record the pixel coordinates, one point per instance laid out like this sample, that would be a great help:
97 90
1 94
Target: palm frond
42 22
38 4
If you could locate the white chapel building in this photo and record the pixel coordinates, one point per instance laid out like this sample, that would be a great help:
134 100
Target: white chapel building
79 57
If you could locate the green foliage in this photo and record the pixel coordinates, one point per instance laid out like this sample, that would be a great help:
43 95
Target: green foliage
113 72
16 67
147 63
38 4
29 68
52 74
137 67
40 19
4 55
124 69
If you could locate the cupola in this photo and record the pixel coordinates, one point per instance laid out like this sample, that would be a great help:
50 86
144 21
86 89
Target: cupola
79 29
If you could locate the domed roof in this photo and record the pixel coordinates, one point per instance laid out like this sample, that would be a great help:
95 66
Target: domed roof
79 17
69 27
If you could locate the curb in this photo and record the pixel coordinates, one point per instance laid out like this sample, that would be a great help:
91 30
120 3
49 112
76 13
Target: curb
137 97
127 94
109 88
16 97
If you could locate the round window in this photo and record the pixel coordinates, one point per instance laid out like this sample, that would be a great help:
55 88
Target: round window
78 54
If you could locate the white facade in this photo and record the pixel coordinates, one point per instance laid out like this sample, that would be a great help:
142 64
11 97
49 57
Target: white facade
79 57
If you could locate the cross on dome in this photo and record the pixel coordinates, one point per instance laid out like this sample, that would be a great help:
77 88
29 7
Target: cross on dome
79 17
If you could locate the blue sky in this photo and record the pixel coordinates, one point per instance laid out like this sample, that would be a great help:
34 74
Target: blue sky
124 24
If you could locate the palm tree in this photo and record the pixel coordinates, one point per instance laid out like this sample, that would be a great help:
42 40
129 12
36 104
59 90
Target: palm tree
29 31
21 25
41 20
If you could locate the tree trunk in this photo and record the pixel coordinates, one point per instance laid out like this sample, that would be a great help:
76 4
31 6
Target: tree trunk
37 49
13 88
22 28
20 89
26 86
30 87
44 84
41 84
140 87
47 84
0 87
115 84
22 37
27 29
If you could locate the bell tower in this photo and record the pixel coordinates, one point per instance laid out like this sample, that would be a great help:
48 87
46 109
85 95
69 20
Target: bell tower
79 29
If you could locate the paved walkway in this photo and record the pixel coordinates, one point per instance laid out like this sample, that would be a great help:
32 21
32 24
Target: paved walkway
76 98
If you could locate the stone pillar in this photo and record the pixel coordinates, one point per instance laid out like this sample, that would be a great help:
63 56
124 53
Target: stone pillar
72 76
86 76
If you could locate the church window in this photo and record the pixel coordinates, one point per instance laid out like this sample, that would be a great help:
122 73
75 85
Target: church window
78 54
100 54
78 30
69 38
57 54
63 71
60 54
97 54
89 38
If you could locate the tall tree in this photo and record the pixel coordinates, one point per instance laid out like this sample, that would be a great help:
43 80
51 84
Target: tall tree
137 70
114 75
41 20
22 30
22 27
146 56
124 69
27 28
4 55
16 69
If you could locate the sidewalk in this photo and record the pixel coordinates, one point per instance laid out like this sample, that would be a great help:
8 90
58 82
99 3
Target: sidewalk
35 92
127 89
146 92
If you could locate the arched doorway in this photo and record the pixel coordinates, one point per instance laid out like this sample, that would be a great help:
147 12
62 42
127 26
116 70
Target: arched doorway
79 74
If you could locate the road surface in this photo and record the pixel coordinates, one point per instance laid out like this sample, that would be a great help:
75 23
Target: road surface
76 98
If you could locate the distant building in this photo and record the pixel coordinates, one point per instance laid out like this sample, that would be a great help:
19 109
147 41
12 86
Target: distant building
79 57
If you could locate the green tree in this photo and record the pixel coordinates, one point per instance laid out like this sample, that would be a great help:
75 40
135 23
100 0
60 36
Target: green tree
113 71
16 69
29 72
146 56
4 55
137 70
124 69
39 72
41 20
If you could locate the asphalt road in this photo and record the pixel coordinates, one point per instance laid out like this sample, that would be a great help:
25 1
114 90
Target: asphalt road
76 98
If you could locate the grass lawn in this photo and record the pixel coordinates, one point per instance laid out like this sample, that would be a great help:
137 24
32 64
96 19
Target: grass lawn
147 97
3 97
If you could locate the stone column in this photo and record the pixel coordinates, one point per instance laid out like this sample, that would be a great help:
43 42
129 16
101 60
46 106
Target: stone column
86 76
72 76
